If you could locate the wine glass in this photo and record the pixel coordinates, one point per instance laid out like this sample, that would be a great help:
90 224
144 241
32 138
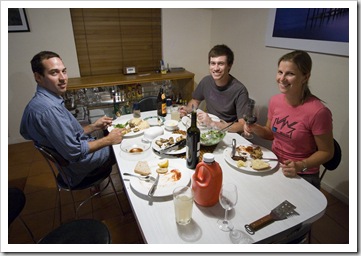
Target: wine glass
250 116
228 199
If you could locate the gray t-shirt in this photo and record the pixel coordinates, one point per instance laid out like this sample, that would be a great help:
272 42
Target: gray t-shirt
228 102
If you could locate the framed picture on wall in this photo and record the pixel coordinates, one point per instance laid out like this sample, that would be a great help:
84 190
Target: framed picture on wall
17 21
323 30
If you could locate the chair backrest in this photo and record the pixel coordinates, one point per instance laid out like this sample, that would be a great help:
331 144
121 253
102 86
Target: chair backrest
148 103
55 161
335 161
82 231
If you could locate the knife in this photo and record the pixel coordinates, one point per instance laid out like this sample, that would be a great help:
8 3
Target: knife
178 144
154 186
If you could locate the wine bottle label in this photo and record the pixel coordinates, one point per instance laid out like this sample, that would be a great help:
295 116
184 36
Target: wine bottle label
164 108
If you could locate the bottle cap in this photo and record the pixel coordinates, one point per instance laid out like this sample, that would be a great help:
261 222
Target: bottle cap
169 102
208 158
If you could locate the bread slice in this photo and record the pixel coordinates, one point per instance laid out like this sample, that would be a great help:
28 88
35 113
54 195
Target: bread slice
258 164
142 168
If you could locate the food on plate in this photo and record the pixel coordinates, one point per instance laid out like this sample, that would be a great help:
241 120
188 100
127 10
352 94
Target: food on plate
259 164
133 125
121 125
135 150
138 123
176 174
162 142
254 152
161 170
164 163
142 168
241 163
180 132
239 158
134 122
257 153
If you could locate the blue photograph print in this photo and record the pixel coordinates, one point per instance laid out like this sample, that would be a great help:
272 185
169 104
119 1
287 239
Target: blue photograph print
328 24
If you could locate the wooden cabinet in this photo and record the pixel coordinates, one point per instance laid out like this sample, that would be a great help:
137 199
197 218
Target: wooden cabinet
181 82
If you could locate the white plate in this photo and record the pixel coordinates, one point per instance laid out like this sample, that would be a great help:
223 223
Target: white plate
186 121
153 120
167 136
166 184
127 135
266 154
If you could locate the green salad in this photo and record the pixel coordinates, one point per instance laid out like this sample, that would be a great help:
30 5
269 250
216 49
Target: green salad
212 137
121 125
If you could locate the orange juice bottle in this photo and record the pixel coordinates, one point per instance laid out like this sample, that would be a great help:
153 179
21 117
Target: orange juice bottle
207 181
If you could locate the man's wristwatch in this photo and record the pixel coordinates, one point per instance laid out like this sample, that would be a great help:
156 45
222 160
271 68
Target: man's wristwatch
304 169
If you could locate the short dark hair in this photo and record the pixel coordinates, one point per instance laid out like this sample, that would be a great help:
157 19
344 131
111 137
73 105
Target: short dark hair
221 50
36 61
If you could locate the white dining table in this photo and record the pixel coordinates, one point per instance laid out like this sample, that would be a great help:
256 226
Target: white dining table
258 194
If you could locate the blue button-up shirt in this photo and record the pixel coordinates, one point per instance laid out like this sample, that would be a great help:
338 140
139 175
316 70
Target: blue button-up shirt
47 122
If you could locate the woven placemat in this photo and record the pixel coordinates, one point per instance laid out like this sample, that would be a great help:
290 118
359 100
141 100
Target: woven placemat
202 151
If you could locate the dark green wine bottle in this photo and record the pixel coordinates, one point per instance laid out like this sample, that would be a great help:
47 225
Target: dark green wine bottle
161 103
193 142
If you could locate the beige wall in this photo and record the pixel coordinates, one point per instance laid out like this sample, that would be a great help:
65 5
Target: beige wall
188 34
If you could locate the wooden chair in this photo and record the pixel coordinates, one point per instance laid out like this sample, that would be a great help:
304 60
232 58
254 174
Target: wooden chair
56 163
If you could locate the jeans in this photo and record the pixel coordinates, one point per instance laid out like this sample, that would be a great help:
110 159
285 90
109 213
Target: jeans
314 179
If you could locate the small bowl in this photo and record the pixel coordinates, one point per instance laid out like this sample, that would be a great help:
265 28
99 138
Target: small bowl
214 135
171 125
134 149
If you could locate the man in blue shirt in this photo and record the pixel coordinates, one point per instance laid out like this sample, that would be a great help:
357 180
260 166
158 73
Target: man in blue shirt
47 122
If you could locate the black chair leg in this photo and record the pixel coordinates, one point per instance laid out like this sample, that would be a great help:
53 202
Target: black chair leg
116 195
27 229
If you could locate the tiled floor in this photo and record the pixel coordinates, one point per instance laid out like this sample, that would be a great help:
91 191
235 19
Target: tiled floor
29 172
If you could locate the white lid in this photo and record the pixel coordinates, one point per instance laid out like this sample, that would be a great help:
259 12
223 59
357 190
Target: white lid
208 158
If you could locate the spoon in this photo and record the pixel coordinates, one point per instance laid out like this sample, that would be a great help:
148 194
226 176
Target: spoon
144 178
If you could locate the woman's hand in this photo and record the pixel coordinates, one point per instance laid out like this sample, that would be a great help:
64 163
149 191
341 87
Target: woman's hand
289 168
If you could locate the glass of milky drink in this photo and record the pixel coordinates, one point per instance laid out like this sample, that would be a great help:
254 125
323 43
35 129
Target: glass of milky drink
174 112
183 204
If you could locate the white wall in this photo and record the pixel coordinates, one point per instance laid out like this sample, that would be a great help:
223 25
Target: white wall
188 34
244 30
50 29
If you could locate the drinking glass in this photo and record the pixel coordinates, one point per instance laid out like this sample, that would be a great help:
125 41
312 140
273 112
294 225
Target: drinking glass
228 199
250 117
174 113
183 204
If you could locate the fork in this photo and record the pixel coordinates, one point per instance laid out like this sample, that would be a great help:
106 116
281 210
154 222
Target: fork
144 178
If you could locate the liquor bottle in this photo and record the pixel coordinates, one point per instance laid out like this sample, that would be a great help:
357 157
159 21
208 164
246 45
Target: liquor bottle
193 142
180 99
161 103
